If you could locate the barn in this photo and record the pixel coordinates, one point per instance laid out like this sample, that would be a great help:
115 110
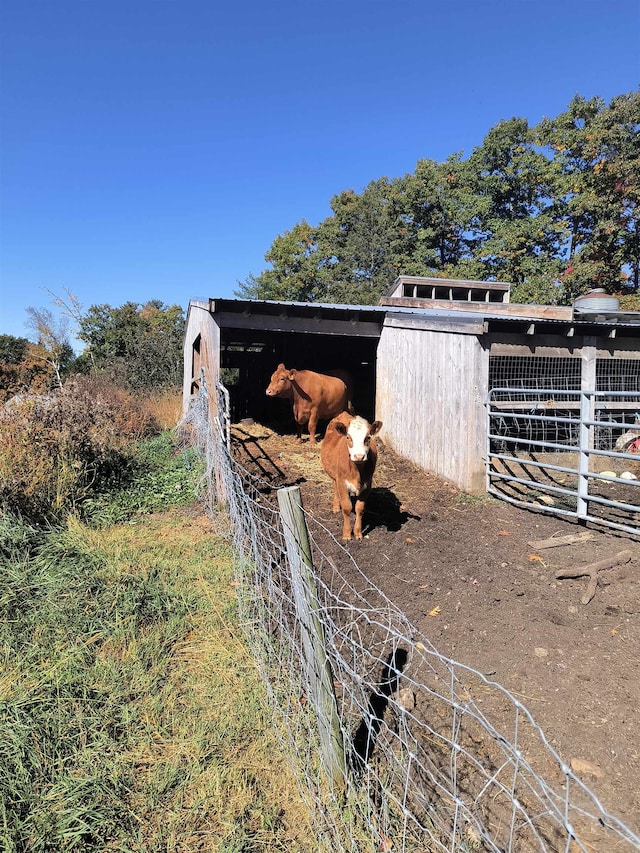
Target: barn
487 394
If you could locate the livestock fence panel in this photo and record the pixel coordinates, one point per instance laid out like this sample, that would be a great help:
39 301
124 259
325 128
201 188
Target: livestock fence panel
435 756
567 452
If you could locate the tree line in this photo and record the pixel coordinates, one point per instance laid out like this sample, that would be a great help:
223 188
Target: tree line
137 347
553 209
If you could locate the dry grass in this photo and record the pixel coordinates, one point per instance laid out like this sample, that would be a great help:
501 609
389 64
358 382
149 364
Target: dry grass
134 717
56 449
213 714
166 407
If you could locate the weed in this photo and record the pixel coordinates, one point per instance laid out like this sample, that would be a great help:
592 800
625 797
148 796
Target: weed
165 406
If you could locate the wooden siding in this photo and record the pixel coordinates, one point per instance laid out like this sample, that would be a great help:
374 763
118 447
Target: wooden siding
431 392
201 349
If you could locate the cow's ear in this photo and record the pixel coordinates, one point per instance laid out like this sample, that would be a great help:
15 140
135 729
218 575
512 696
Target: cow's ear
281 366
292 374
340 427
376 426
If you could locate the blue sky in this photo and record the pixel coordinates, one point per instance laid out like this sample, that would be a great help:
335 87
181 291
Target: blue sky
153 149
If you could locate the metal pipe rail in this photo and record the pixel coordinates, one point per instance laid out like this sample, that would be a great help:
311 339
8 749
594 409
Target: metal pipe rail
513 419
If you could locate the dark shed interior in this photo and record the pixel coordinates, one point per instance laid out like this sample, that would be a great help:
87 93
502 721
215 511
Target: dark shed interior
255 338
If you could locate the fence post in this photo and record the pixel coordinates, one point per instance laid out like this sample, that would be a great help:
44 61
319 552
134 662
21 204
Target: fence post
315 660
587 414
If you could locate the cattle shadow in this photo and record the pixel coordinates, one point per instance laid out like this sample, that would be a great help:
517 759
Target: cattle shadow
249 446
366 735
384 509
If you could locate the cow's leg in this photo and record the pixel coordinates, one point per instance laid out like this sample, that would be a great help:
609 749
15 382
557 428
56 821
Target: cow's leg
336 497
357 527
347 507
313 423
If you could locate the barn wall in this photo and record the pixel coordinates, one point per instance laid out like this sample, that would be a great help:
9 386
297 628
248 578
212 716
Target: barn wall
431 392
201 350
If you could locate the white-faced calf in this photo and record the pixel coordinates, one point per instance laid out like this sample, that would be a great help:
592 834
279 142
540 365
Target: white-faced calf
349 453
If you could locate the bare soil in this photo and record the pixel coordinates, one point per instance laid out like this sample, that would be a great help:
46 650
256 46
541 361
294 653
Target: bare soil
576 667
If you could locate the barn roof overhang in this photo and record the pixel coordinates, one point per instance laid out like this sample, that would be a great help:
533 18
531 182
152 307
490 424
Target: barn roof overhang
579 326
303 317
485 318
464 318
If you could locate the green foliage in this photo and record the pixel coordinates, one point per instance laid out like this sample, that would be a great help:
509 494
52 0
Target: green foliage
294 275
596 167
552 209
12 349
136 346
157 477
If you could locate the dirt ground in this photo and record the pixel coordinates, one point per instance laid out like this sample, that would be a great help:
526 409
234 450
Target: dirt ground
575 667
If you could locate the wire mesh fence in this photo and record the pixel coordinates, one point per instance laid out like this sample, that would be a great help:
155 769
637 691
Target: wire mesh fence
431 755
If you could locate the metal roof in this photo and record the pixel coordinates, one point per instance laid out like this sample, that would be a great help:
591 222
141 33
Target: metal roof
527 318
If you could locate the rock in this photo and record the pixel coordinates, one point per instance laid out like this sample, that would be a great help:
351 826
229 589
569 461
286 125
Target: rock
406 698
586 768
546 499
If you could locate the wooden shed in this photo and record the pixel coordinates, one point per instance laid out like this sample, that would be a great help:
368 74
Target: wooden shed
424 359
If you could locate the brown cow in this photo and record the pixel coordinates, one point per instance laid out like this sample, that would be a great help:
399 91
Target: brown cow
315 395
349 453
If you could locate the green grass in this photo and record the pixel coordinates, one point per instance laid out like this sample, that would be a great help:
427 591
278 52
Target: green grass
156 478
132 717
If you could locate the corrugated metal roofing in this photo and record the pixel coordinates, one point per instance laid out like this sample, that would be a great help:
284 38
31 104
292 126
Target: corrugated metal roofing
516 318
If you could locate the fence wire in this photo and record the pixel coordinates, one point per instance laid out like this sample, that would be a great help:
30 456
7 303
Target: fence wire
430 763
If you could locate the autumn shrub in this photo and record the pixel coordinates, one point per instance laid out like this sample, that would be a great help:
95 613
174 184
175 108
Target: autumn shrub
56 448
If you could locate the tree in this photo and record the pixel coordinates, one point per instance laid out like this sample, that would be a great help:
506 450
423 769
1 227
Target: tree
139 346
12 349
441 207
516 238
555 210
54 348
362 243
596 160
12 353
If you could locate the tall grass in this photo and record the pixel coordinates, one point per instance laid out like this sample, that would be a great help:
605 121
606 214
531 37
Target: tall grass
131 714
165 406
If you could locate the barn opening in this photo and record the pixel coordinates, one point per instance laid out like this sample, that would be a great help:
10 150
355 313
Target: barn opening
257 336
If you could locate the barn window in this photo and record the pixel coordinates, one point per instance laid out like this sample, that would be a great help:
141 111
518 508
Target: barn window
196 365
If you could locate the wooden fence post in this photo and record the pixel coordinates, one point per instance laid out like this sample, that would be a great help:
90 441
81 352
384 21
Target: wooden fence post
315 660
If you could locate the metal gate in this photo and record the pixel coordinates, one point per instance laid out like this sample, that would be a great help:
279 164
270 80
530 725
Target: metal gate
567 452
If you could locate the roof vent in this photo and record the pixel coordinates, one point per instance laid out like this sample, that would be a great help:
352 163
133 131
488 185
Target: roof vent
597 301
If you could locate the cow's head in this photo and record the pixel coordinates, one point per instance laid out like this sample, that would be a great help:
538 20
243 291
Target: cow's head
280 385
358 434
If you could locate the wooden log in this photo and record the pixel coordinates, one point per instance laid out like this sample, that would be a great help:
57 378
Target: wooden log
591 571
555 541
